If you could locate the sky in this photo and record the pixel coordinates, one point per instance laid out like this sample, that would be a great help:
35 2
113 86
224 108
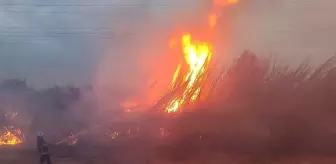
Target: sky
76 42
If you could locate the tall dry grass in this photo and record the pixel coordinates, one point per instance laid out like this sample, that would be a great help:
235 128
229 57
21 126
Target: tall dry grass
274 107
257 105
253 82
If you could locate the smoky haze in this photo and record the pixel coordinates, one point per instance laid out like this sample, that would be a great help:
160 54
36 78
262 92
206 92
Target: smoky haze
120 48
62 42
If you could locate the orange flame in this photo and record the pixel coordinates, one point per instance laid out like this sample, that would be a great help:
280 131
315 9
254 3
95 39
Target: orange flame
190 75
11 137
197 55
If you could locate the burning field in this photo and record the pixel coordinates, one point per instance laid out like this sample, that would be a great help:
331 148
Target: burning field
187 87
252 111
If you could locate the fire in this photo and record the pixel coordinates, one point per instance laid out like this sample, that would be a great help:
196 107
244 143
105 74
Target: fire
197 56
190 75
11 137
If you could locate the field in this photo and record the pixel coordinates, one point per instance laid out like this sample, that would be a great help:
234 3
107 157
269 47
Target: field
280 115
128 154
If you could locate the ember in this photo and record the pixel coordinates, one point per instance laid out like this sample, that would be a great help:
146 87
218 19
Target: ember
11 136
119 134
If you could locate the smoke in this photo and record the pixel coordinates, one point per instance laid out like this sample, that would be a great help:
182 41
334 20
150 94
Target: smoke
128 66
291 30
136 61
259 107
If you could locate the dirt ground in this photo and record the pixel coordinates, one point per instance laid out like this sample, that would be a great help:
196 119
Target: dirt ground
135 154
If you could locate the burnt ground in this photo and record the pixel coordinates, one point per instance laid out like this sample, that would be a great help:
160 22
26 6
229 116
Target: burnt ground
184 146
145 153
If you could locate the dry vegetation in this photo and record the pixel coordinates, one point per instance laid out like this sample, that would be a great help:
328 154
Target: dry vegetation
258 112
269 111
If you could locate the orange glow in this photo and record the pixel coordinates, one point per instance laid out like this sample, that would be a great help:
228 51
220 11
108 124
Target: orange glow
172 42
224 2
232 1
212 20
213 17
11 137
186 85
197 55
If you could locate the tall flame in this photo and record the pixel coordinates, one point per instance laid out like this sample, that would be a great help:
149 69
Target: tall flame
197 55
190 75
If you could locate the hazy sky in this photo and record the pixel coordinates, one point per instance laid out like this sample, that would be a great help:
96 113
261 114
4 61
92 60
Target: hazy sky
65 41
293 29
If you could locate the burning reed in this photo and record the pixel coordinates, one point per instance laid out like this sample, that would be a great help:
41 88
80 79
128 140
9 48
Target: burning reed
257 105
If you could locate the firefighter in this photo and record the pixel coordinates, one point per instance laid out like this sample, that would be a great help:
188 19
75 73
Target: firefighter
42 147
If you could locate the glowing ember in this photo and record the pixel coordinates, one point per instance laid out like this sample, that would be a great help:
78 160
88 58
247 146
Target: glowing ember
11 137
197 55
114 135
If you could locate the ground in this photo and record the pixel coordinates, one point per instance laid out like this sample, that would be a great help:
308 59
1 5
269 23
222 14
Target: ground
145 154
